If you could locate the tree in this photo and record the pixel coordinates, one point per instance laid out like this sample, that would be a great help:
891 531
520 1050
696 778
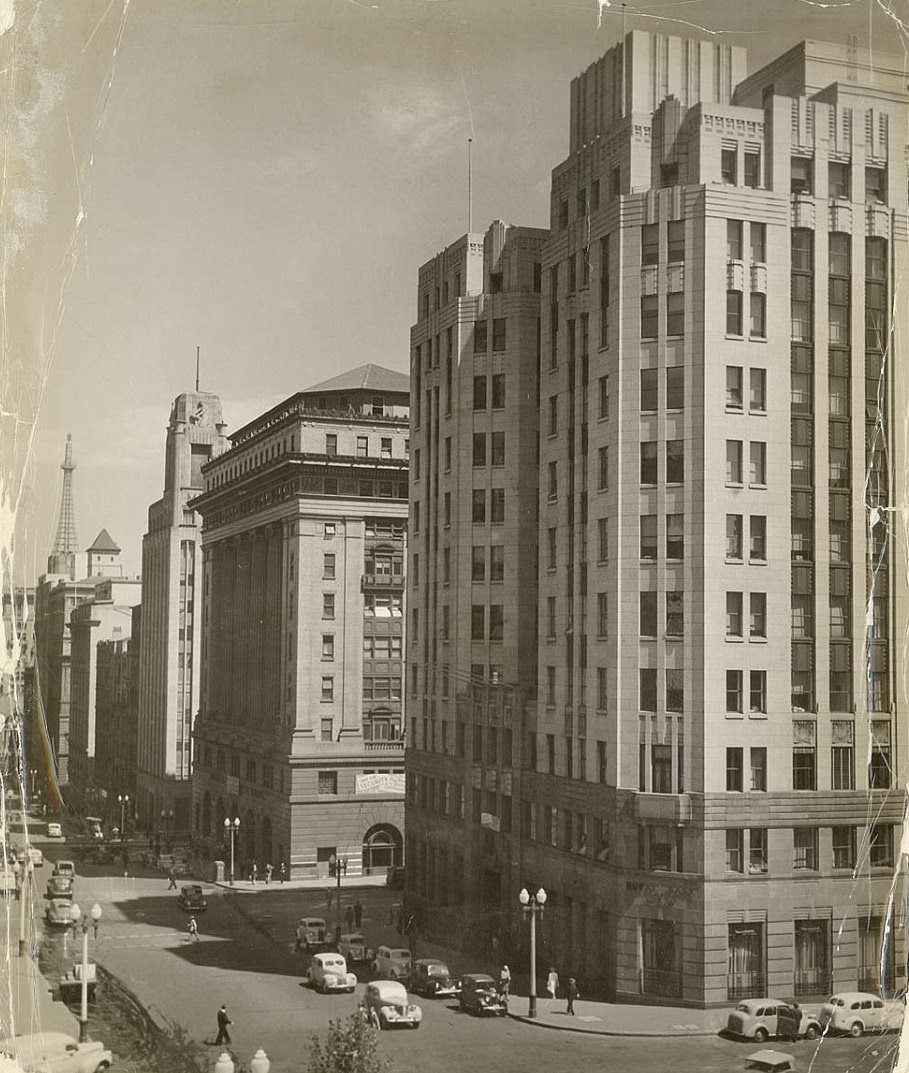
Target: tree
351 1046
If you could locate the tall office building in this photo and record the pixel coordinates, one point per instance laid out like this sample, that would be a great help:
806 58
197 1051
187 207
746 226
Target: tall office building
300 730
170 640
713 806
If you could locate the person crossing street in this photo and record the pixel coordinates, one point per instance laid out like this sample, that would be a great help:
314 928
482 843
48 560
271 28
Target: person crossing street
224 1023
193 929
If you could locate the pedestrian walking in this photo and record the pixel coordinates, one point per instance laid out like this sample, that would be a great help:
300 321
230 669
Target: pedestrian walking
349 917
504 981
172 880
572 993
254 872
268 872
552 983
193 929
282 871
224 1023
358 913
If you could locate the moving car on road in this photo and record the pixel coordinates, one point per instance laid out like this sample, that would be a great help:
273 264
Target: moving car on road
432 978
328 972
761 1018
59 912
59 887
64 868
385 1003
35 857
192 898
55 830
480 995
353 946
310 932
56 1052
393 962
71 984
856 1012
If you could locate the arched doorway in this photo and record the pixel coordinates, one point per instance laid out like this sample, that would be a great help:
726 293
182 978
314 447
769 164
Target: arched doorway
382 848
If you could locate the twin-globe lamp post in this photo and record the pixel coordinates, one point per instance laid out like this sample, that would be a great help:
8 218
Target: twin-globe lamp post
91 920
124 802
338 865
232 827
531 905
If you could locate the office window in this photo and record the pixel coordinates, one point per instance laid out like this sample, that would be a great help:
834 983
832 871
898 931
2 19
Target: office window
478 563
842 755
497 562
553 480
553 414
675 690
551 617
734 614
603 459
675 313
328 566
880 773
676 241
650 381
844 847
648 689
675 614
675 461
648 614
757 472
497 506
496 622
602 689
733 536
477 622
752 168
734 691
660 772
875 186
839 253
675 536
550 685
551 548
572 274
479 337
327 782
758 690
728 165
838 180
447 454
734 394
649 462
326 729
758 307
602 539
880 845
757 547
479 449
479 392
734 240
328 687
804 844
650 316
648 536
758 768
498 391
757 606
498 333
498 448
384 446
602 614
733 461
675 388
804 755
757 234
802 175
757 850
733 312
650 244
328 646
757 390
362 446
735 850
604 397
328 605
478 505
331 443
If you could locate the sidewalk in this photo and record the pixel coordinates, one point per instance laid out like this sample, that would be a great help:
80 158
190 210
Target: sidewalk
246 886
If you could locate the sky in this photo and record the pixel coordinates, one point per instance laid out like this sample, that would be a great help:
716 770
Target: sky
262 179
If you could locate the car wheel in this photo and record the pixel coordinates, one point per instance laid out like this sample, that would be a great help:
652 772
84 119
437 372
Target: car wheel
812 1032
100 1068
416 1024
760 1035
856 1029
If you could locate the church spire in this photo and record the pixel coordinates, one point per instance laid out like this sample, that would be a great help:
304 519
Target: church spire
62 560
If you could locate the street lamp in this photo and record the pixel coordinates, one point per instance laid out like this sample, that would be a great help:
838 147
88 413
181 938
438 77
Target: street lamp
232 828
27 869
531 904
339 865
86 922
124 801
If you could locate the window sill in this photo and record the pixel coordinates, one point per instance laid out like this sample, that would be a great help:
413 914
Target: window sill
735 335
757 562
757 715
732 409
757 640
675 409
734 639
674 637
757 339
735 715
759 486
735 560
734 484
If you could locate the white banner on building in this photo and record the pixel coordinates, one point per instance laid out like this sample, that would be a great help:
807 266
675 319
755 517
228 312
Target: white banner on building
389 783
488 820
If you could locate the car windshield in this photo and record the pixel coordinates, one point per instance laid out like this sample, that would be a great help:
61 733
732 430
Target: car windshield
834 1001
401 955
437 970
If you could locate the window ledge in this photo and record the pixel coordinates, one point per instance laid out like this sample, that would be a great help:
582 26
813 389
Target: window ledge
734 484
733 560
757 640
757 339
754 484
732 409
734 638
733 335
735 715
757 562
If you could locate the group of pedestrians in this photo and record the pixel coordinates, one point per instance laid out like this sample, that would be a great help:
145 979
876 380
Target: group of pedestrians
253 872
353 915
571 990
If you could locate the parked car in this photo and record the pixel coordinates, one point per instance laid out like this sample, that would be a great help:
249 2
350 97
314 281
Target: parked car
856 1012
353 946
56 1052
385 1003
64 868
480 995
432 978
393 962
59 887
71 984
59 911
328 972
761 1018
55 830
192 898
309 931
770 1062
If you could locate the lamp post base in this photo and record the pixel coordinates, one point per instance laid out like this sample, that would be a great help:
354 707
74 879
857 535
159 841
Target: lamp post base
83 1031
532 1006
23 948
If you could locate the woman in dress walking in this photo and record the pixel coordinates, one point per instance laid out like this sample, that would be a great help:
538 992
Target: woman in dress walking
552 983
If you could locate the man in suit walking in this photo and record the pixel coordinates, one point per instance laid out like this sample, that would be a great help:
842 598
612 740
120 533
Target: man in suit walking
224 1023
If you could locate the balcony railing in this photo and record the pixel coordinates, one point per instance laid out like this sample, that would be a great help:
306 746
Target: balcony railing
385 745
745 985
385 581
661 983
812 981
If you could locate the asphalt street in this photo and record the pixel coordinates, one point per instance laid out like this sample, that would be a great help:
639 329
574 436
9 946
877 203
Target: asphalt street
144 942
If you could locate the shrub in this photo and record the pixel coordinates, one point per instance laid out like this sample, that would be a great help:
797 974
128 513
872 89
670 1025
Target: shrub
351 1046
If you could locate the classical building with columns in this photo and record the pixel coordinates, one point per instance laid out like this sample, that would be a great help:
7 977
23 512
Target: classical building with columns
300 729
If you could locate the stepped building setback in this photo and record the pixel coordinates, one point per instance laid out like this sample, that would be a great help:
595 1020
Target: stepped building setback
698 749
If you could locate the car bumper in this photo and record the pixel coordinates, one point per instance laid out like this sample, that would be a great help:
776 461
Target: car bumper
445 992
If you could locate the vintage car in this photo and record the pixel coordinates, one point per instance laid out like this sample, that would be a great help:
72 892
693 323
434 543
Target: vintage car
431 978
385 1003
55 830
479 995
761 1018
192 898
71 984
59 911
353 946
770 1062
856 1012
60 887
35 857
311 932
64 868
328 972
56 1052
392 962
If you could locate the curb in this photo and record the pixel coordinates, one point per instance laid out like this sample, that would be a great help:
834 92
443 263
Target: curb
536 1022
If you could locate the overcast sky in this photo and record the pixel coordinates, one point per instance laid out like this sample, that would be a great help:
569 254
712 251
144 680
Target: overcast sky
262 178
